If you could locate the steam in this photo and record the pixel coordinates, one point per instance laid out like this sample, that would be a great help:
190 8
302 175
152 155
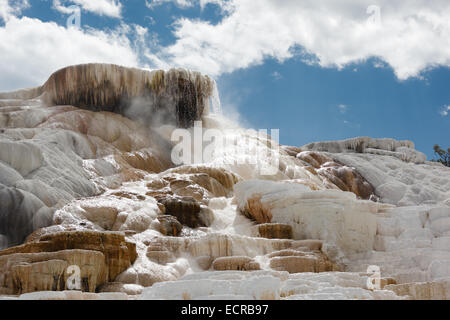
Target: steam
146 111
161 114
157 118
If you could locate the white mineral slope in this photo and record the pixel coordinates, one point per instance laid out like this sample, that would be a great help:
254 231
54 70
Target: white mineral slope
267 285
411 245
40 168
336 217
51 153
250 154
385 146
102 171
399 182
399 173
411 242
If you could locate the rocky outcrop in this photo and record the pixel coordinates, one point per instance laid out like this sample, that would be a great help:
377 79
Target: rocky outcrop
338 175
199 182
296 261
403 150
176 96
331 215
169 225
225 253
358 144
42 264
56 156
256 210
225 177
275 231
187 211
119 253
101 163
160 254
43 271
348 179
239 263
54 152
110 212
437 290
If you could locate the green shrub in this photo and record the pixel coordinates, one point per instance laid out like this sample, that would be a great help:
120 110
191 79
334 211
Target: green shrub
443 155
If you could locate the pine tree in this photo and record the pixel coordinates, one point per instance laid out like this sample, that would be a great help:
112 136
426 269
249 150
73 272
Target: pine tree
443 156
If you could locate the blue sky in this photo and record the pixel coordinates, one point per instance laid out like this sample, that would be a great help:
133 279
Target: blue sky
305 103
316 73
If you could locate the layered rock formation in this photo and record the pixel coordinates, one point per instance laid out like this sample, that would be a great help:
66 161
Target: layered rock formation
331 215
53 152
275 231
241 263
87 180
267 285
45 262
403 150
177 96
344 177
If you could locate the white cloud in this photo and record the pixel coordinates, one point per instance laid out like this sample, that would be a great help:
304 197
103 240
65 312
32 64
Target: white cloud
30 50
409 36
10 8
224 4
110 8
342 108
444 112
179 3
378 64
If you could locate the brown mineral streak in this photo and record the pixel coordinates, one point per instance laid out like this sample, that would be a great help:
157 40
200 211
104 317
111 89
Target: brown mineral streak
107 87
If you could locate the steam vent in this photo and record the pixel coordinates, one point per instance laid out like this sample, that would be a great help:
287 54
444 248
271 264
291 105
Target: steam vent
88 182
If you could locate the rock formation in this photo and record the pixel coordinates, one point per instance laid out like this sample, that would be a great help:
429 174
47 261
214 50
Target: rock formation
43 263
275 231
87 180
331 215
344 177
241 263
177 96
59 152
169 225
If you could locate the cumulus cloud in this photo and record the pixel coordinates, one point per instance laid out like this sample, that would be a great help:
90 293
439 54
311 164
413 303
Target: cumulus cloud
444 112
11 8
110 8
409 36
30 50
